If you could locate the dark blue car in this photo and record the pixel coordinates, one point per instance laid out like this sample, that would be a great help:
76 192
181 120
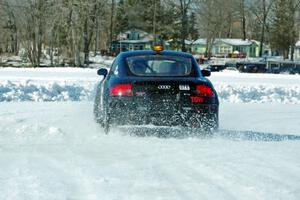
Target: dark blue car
157 87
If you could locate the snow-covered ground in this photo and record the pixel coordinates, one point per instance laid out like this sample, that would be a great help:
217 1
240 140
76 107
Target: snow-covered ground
55 150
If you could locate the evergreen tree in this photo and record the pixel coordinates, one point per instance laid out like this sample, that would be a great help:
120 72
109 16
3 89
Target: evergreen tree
170 25
152 16
121 18
193 32
282 30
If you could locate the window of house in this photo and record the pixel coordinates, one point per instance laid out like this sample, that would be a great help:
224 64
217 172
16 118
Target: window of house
225 49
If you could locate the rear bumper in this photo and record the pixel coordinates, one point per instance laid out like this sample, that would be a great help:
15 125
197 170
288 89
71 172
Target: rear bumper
135 112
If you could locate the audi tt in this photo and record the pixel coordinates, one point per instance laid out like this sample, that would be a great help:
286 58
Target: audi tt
156 87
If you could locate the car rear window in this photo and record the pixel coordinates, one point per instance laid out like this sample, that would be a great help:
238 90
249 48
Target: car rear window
159 65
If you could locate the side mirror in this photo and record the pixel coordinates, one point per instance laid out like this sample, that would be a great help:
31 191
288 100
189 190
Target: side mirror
205 72
102 72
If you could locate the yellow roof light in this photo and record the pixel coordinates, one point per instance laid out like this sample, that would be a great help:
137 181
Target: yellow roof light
158 48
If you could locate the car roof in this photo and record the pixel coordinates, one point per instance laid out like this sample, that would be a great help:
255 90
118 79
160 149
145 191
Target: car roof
123 55
151 52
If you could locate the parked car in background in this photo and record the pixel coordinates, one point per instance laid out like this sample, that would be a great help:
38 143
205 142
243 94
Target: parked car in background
251 67
283 67
215 67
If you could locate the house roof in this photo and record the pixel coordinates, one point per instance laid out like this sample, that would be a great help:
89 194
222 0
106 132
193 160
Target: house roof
143 35
134 41
200 41
233 42
187 42
237 42
256 42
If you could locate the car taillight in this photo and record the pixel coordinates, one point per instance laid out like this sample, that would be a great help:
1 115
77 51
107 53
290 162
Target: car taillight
204 91
121 90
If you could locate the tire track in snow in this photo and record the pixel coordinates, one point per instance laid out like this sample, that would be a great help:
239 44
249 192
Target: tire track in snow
204 186
265 176
69 178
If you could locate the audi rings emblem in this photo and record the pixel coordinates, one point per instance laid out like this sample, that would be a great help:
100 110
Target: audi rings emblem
164 87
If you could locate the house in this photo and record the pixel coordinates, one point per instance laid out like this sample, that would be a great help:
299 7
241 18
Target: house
132 40
199 46
225 47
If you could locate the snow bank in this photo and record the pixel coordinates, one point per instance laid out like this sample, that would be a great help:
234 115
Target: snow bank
258 94
49 91
73 84
47 84
257 88
79 91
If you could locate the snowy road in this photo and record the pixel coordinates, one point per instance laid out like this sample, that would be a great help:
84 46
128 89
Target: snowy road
56 151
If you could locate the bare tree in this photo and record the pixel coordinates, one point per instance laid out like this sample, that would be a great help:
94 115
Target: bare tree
261 9
33 19
283 29
212 24
70 26
294 7
10 25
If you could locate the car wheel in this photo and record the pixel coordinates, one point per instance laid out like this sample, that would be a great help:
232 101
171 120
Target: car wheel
97 115
97 111
106 122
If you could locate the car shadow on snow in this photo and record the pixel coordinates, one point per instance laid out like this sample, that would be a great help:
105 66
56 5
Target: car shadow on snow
180 133
164 132
255 136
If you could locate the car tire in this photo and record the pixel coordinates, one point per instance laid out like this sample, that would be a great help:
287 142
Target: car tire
106 122
97 115
106 128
